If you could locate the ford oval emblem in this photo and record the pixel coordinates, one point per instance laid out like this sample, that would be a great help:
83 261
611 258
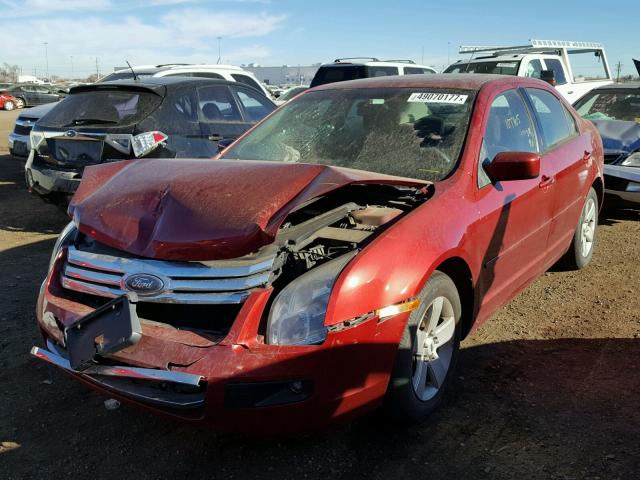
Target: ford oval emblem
144 283
70 133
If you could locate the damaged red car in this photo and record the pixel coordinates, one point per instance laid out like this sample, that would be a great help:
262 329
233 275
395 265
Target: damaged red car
330 260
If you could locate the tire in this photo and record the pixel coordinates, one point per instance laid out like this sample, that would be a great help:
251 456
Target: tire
584 238
427 353
9 105
20 103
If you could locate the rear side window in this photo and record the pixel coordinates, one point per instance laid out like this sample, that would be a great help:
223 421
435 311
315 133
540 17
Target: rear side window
339 73
102 107
558 71
375 71
246 80
534 68
416 71
552 117
255 105
217 104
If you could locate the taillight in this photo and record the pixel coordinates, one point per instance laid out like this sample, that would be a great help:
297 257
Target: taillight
146 142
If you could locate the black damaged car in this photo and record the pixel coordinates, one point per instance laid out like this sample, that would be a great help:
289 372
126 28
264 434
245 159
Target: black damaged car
167 117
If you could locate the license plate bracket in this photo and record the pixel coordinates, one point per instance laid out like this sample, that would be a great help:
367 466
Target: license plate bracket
108 329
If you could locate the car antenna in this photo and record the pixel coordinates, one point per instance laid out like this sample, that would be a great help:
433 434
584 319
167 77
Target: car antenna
466 70
135 77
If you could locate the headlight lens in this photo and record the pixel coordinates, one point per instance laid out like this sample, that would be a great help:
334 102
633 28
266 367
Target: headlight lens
64 239
297 314
632 160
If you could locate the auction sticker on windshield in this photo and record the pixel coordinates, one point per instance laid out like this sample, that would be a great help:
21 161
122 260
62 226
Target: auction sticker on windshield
430 97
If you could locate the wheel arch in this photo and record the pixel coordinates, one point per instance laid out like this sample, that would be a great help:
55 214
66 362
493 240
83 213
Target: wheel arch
598 186
458 270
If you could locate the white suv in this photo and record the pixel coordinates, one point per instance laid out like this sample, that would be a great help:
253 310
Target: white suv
222 72
347 69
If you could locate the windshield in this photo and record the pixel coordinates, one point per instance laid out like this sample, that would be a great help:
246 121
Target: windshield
496 67
610 106
413 132
102 107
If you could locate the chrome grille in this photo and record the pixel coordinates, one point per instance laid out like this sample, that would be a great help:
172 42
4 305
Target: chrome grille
218 282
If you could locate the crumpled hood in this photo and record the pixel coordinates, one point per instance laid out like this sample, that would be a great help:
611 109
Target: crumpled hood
618 136
200 209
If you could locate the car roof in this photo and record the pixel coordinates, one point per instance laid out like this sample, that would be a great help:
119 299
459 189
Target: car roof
458 81
155 84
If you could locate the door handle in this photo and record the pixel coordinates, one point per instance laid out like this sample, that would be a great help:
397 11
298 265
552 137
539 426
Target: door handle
545 181
215 137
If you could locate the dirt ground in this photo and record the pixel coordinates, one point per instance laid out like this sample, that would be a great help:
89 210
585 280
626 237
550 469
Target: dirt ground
549 388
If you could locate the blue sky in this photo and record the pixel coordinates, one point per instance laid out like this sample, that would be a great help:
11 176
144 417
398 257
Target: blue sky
277 32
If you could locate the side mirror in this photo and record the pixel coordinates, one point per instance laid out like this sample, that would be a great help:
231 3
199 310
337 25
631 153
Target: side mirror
224 143
508 166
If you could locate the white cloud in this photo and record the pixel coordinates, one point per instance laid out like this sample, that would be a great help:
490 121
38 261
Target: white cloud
37 8
186 36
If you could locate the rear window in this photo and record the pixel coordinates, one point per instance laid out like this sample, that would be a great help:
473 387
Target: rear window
102 107
246 80
340 73
495 67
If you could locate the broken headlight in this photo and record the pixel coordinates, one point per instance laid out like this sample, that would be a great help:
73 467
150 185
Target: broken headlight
632 160
65 237
297 314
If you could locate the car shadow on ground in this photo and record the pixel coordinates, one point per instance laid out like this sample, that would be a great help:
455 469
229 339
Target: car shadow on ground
20 211
612 214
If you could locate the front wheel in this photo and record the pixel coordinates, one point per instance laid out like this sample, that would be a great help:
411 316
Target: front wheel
8 105
427 353
584 238
20 103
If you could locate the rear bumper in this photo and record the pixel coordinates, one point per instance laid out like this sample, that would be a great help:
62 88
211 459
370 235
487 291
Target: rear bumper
46 181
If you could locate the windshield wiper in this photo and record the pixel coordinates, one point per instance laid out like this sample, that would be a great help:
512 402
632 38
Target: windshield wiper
90 121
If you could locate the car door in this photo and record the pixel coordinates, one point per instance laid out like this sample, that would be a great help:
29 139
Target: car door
220 114
514 216
47 95
567 156
254 105
30 95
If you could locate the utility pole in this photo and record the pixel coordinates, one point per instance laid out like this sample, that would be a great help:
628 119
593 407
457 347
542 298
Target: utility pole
72 74
422 58
618 68
97 70
219 56
46 57
448 54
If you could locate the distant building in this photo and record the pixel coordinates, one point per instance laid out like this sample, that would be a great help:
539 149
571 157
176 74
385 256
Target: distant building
284 75
29 79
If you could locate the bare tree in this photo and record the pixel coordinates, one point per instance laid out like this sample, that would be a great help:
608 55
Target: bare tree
9 73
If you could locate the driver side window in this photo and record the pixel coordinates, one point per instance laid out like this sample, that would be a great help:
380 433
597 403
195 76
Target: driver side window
508 129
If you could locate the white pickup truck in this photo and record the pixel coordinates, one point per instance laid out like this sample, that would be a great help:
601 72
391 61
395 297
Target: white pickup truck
578 67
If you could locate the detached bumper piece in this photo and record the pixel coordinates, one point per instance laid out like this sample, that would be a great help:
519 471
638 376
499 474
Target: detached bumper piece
163 388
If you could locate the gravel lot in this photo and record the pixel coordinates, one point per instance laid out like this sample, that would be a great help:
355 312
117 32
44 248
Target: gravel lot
549 388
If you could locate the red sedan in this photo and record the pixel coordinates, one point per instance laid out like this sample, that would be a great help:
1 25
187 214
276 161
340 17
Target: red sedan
7 101
330 260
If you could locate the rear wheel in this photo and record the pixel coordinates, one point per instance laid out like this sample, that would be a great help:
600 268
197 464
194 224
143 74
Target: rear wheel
584 238
9 105
427 353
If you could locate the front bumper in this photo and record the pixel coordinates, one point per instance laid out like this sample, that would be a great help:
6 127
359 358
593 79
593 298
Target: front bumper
244 384
622 182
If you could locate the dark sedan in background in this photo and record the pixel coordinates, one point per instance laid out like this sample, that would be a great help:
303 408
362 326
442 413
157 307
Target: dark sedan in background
166 117
28 95
615 111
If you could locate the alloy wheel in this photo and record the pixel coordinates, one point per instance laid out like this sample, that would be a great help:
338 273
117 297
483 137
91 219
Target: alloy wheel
588 228
433 348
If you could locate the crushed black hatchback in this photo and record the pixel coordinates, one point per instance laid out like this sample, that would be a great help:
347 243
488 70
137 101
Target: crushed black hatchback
155 117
